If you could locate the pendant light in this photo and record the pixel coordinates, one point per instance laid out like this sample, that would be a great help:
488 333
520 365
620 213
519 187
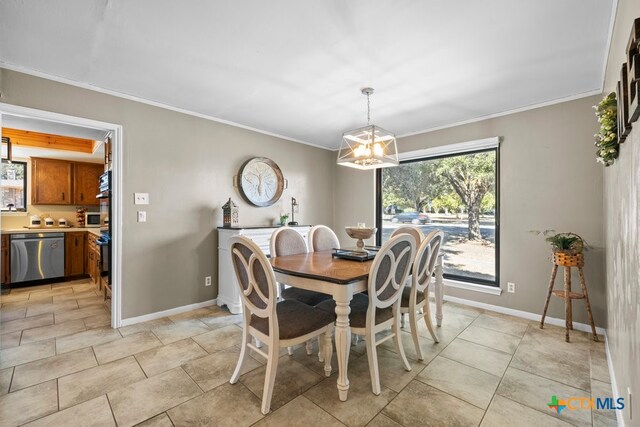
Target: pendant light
369 147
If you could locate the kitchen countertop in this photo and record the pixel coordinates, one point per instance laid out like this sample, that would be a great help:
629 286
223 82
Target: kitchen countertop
93 230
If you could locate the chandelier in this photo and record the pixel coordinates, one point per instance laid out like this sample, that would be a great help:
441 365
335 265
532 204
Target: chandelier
368 147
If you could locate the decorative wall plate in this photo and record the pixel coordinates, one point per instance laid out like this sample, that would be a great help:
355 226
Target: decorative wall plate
260 181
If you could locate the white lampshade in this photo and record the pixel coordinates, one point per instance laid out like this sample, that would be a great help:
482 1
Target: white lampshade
369 147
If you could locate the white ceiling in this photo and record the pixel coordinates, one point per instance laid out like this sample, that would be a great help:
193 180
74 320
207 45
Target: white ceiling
295 68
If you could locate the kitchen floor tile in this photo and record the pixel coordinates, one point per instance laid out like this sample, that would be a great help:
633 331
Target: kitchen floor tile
299 412
96 413
219 317
8 314
43 370
429 348
505 324
87 338
48 307
27 353
216 369
490 338
126 346
26 323
161 420
220 339
477 356
147 398
28 404
160 359
144 326
179 330
5 380
52 331
381 420
503 412
97 321
79 313
9 340
390 367
219 406
93 382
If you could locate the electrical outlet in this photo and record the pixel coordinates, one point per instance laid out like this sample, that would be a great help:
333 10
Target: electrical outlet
141 198
207 281
511 287
142 216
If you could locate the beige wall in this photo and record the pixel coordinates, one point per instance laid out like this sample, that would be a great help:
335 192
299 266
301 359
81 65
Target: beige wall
186 164
548 179
622 231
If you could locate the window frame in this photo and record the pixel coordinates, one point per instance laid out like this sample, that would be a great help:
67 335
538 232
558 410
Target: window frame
24 179
453 153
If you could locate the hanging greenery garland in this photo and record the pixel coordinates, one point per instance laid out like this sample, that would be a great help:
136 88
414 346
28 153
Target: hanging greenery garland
607 137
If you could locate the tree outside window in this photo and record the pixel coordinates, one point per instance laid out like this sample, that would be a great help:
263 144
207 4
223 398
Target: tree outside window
13 177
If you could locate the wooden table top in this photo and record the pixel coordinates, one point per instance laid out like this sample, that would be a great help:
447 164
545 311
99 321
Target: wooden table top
322 266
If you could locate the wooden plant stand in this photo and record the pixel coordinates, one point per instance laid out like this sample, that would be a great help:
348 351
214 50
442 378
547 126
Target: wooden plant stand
567 261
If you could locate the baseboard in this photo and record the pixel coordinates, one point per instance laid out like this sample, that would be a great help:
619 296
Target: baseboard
614 383
165 313
523 314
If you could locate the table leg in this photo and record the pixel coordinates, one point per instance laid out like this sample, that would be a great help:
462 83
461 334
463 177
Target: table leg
343 338
439 289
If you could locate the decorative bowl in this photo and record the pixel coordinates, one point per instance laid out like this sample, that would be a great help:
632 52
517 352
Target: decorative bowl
360 233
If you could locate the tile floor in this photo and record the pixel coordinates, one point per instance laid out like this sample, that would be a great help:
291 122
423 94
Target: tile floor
61 364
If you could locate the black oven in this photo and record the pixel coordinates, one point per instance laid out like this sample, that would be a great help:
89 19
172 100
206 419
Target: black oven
104 241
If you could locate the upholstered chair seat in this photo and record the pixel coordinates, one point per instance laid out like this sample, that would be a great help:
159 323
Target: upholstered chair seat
295 319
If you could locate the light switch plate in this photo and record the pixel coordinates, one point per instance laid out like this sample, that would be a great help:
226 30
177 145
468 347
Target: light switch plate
142 216
141 198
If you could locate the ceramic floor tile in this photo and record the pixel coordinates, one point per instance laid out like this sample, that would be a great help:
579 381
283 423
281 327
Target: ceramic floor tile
193 314
292 379
12 339
43 370
216 369
390 367
5 380
311 361
43 295
48 307
90 383
506 412
534 391
97 301
15 297
601 389
86 339
429 348
8 314
360 407
26 323
27 289
500 323
27 353
490 338
52 331
219 317
161 420
464 382
28 404
220 339
160 359
145 399
75 296
95 413
219 407
144 326
179 330
126 346
477 356
382 420
600 420
442 410
79 313
300 412
97 321
598 363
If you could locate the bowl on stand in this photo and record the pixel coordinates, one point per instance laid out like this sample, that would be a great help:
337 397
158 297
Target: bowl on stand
360 233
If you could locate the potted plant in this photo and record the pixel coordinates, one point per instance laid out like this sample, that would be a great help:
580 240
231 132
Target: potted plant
567 247
283 218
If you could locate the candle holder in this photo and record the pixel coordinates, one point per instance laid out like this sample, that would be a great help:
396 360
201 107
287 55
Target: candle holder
294 209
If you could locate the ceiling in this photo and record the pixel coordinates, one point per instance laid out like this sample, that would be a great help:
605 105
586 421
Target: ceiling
295 68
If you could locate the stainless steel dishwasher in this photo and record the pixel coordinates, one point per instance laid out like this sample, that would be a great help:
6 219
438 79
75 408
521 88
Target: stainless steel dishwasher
36 256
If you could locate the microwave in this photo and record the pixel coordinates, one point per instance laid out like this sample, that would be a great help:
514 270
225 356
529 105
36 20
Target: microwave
92 219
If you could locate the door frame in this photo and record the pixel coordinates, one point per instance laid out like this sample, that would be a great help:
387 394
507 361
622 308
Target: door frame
117 184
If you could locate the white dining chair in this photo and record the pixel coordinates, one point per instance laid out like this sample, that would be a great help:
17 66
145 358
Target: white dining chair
275 323
415 298
380 309
418 236
322 238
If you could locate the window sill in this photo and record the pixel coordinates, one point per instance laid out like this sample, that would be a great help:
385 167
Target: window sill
485 289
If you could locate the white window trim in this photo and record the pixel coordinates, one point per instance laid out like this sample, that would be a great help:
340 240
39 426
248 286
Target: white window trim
441 150
475 287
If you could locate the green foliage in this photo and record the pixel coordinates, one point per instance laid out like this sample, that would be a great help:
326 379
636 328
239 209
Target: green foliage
7 168
563 242
488 203
449 201
412 184
607 137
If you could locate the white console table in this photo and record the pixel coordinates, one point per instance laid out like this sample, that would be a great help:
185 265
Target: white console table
228 292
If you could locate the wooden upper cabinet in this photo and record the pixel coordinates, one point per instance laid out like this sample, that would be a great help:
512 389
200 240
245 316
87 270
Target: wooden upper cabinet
85 183
60 182
50 182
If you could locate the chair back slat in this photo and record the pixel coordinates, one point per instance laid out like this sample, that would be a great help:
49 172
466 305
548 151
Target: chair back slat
322 238
389 271
287 241
255 276
413 231
426 258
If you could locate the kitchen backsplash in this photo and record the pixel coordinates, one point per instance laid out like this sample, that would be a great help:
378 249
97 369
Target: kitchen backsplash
18 220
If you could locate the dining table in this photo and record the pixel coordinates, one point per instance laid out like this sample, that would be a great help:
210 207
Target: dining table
340 278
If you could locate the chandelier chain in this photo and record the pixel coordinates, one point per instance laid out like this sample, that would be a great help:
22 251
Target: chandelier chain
368 111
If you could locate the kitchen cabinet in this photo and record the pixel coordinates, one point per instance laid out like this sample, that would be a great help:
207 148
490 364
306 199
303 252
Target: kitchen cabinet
75 253
93 259
60 182
6 260
50 182
85 183
228 289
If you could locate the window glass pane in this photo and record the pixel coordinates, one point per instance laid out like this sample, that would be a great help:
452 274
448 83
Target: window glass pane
13 177
455 194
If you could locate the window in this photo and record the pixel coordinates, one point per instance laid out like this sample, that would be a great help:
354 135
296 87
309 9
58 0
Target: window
14 186
455 193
